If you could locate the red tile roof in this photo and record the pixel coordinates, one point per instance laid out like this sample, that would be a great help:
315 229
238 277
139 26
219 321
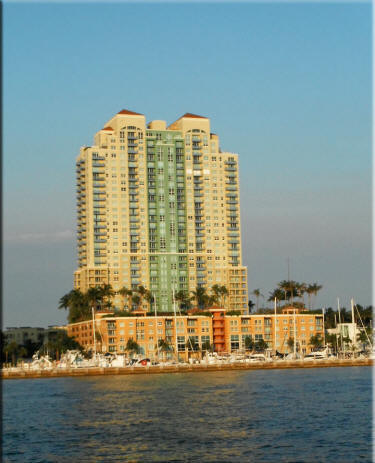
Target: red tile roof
193 116
131 113
107 128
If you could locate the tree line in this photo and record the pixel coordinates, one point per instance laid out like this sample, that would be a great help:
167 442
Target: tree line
80 304
12 352
288 291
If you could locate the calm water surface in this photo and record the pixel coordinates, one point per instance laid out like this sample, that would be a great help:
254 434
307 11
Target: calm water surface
312 415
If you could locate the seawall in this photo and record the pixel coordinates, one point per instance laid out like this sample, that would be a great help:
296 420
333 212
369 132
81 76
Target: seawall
157 369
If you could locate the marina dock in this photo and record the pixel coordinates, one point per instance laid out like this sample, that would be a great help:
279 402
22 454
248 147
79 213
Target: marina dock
13 373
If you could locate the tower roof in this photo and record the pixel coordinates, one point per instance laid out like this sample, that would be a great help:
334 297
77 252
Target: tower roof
129 113
107 128
195 116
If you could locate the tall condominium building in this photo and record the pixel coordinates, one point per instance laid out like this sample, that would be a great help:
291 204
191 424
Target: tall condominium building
159 206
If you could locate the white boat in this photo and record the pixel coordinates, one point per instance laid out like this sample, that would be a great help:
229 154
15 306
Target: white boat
256 358
317 355
212 358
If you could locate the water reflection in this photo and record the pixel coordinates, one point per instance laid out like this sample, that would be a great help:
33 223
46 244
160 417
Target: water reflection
277 415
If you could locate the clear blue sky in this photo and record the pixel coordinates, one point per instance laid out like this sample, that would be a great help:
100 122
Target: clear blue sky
287 86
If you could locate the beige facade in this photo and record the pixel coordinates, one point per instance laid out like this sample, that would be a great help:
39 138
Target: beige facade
115 229
300 327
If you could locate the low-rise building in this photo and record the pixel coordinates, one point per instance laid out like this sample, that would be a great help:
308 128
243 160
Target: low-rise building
221 330
24 334
347 332
275 330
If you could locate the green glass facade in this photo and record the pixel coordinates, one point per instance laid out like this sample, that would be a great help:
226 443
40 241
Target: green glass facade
167 215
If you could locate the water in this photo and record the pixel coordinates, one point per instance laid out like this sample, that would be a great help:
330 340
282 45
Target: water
302 415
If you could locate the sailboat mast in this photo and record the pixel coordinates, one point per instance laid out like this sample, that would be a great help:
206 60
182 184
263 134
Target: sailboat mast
353 323
175 323
156 328
274 327
338 306
93 329
337 345
295 334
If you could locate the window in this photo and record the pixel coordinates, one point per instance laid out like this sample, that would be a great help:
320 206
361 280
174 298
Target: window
205 339
181 343
234 342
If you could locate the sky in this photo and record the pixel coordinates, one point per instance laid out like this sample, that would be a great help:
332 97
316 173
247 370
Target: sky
287 86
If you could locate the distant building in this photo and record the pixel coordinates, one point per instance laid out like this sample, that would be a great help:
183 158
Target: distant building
347 331
23 334
159 206
226 333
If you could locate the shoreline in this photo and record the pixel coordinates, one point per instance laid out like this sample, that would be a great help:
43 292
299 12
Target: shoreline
157 369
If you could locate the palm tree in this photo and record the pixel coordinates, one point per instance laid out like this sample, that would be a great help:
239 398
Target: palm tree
257 294
94 297
223 294
278 294
126 293
106 293
164 346
290 343
309 291
78 305
136 300
216 293
12 349
200 296
316 341
142 291
261 344
183 299
301 290
249 344
132 347
315 288
364 336
149 298
250 305
289 288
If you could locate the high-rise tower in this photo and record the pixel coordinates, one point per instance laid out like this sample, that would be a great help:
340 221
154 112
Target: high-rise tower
158 206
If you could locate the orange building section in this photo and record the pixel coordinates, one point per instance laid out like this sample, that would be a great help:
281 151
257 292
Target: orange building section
113 333
223 332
